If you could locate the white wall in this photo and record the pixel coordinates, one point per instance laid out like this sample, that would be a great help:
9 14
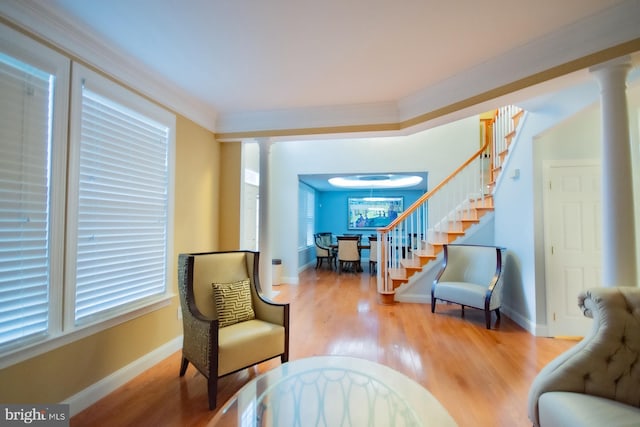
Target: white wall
572 132
438 151
518 213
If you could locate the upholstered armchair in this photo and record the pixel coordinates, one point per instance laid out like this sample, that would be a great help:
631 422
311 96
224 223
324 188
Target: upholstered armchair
228 324
471 275
596 382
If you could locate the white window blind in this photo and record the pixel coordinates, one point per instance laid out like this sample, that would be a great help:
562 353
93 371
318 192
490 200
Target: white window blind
26 103
122 208
306 207
310 217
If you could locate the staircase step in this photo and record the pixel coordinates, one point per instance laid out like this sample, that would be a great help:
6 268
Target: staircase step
486 203
398 276
436 247
516 118
452 235
426 255
445 237
468 215
411 266
502 155
462 225
509 137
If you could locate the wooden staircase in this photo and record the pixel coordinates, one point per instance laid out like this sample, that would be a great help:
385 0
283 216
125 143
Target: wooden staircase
504 139
399 266
418 259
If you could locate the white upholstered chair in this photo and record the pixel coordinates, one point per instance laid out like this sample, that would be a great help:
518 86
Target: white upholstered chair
373 254
349 253
596 382
471 275
228 326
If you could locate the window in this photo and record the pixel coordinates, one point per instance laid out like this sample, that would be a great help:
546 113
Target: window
97 165
119 200
33 105
306 218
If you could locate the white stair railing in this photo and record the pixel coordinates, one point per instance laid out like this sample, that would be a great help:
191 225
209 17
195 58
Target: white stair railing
440 213
504 127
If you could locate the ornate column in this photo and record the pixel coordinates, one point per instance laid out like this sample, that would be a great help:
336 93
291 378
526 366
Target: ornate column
618 224
264 240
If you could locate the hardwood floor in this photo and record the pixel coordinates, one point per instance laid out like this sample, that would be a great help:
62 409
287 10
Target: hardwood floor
480 376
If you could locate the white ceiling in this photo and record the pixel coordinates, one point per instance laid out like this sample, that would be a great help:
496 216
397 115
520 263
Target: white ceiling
250 65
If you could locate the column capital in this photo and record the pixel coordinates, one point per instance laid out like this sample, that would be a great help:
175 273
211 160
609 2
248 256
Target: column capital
617 69
264 144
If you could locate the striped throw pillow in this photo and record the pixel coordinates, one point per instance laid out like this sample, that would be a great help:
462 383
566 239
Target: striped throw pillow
233 302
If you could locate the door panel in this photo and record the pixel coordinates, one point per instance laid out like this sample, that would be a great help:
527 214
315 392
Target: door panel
573 244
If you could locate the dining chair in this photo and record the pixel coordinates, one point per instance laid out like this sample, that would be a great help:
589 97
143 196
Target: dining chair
349 253
324 251
373 254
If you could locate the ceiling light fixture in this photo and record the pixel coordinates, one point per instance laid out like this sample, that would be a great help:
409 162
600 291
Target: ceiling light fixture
375 181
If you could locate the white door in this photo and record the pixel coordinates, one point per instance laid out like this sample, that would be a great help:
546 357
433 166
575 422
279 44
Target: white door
573 243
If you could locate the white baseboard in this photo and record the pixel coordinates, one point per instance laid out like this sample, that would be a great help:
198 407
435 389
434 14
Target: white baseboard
522 321
290 280
414 298
90 395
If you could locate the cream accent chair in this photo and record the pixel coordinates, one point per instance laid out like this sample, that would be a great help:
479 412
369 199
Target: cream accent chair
596 382
471 275
216 351
349 253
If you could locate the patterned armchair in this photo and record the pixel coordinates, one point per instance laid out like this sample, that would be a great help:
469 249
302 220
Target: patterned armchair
228 325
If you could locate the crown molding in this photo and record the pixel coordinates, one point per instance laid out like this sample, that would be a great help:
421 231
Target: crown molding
44 22
586 43
562 52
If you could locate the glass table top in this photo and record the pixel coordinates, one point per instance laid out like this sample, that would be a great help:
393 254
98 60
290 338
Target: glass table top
332 391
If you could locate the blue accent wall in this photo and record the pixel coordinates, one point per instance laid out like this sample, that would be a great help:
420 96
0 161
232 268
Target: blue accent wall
332 208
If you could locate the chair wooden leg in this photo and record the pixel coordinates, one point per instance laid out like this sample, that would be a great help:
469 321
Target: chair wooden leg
433 304
183 366
212 386
487 318
318 262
